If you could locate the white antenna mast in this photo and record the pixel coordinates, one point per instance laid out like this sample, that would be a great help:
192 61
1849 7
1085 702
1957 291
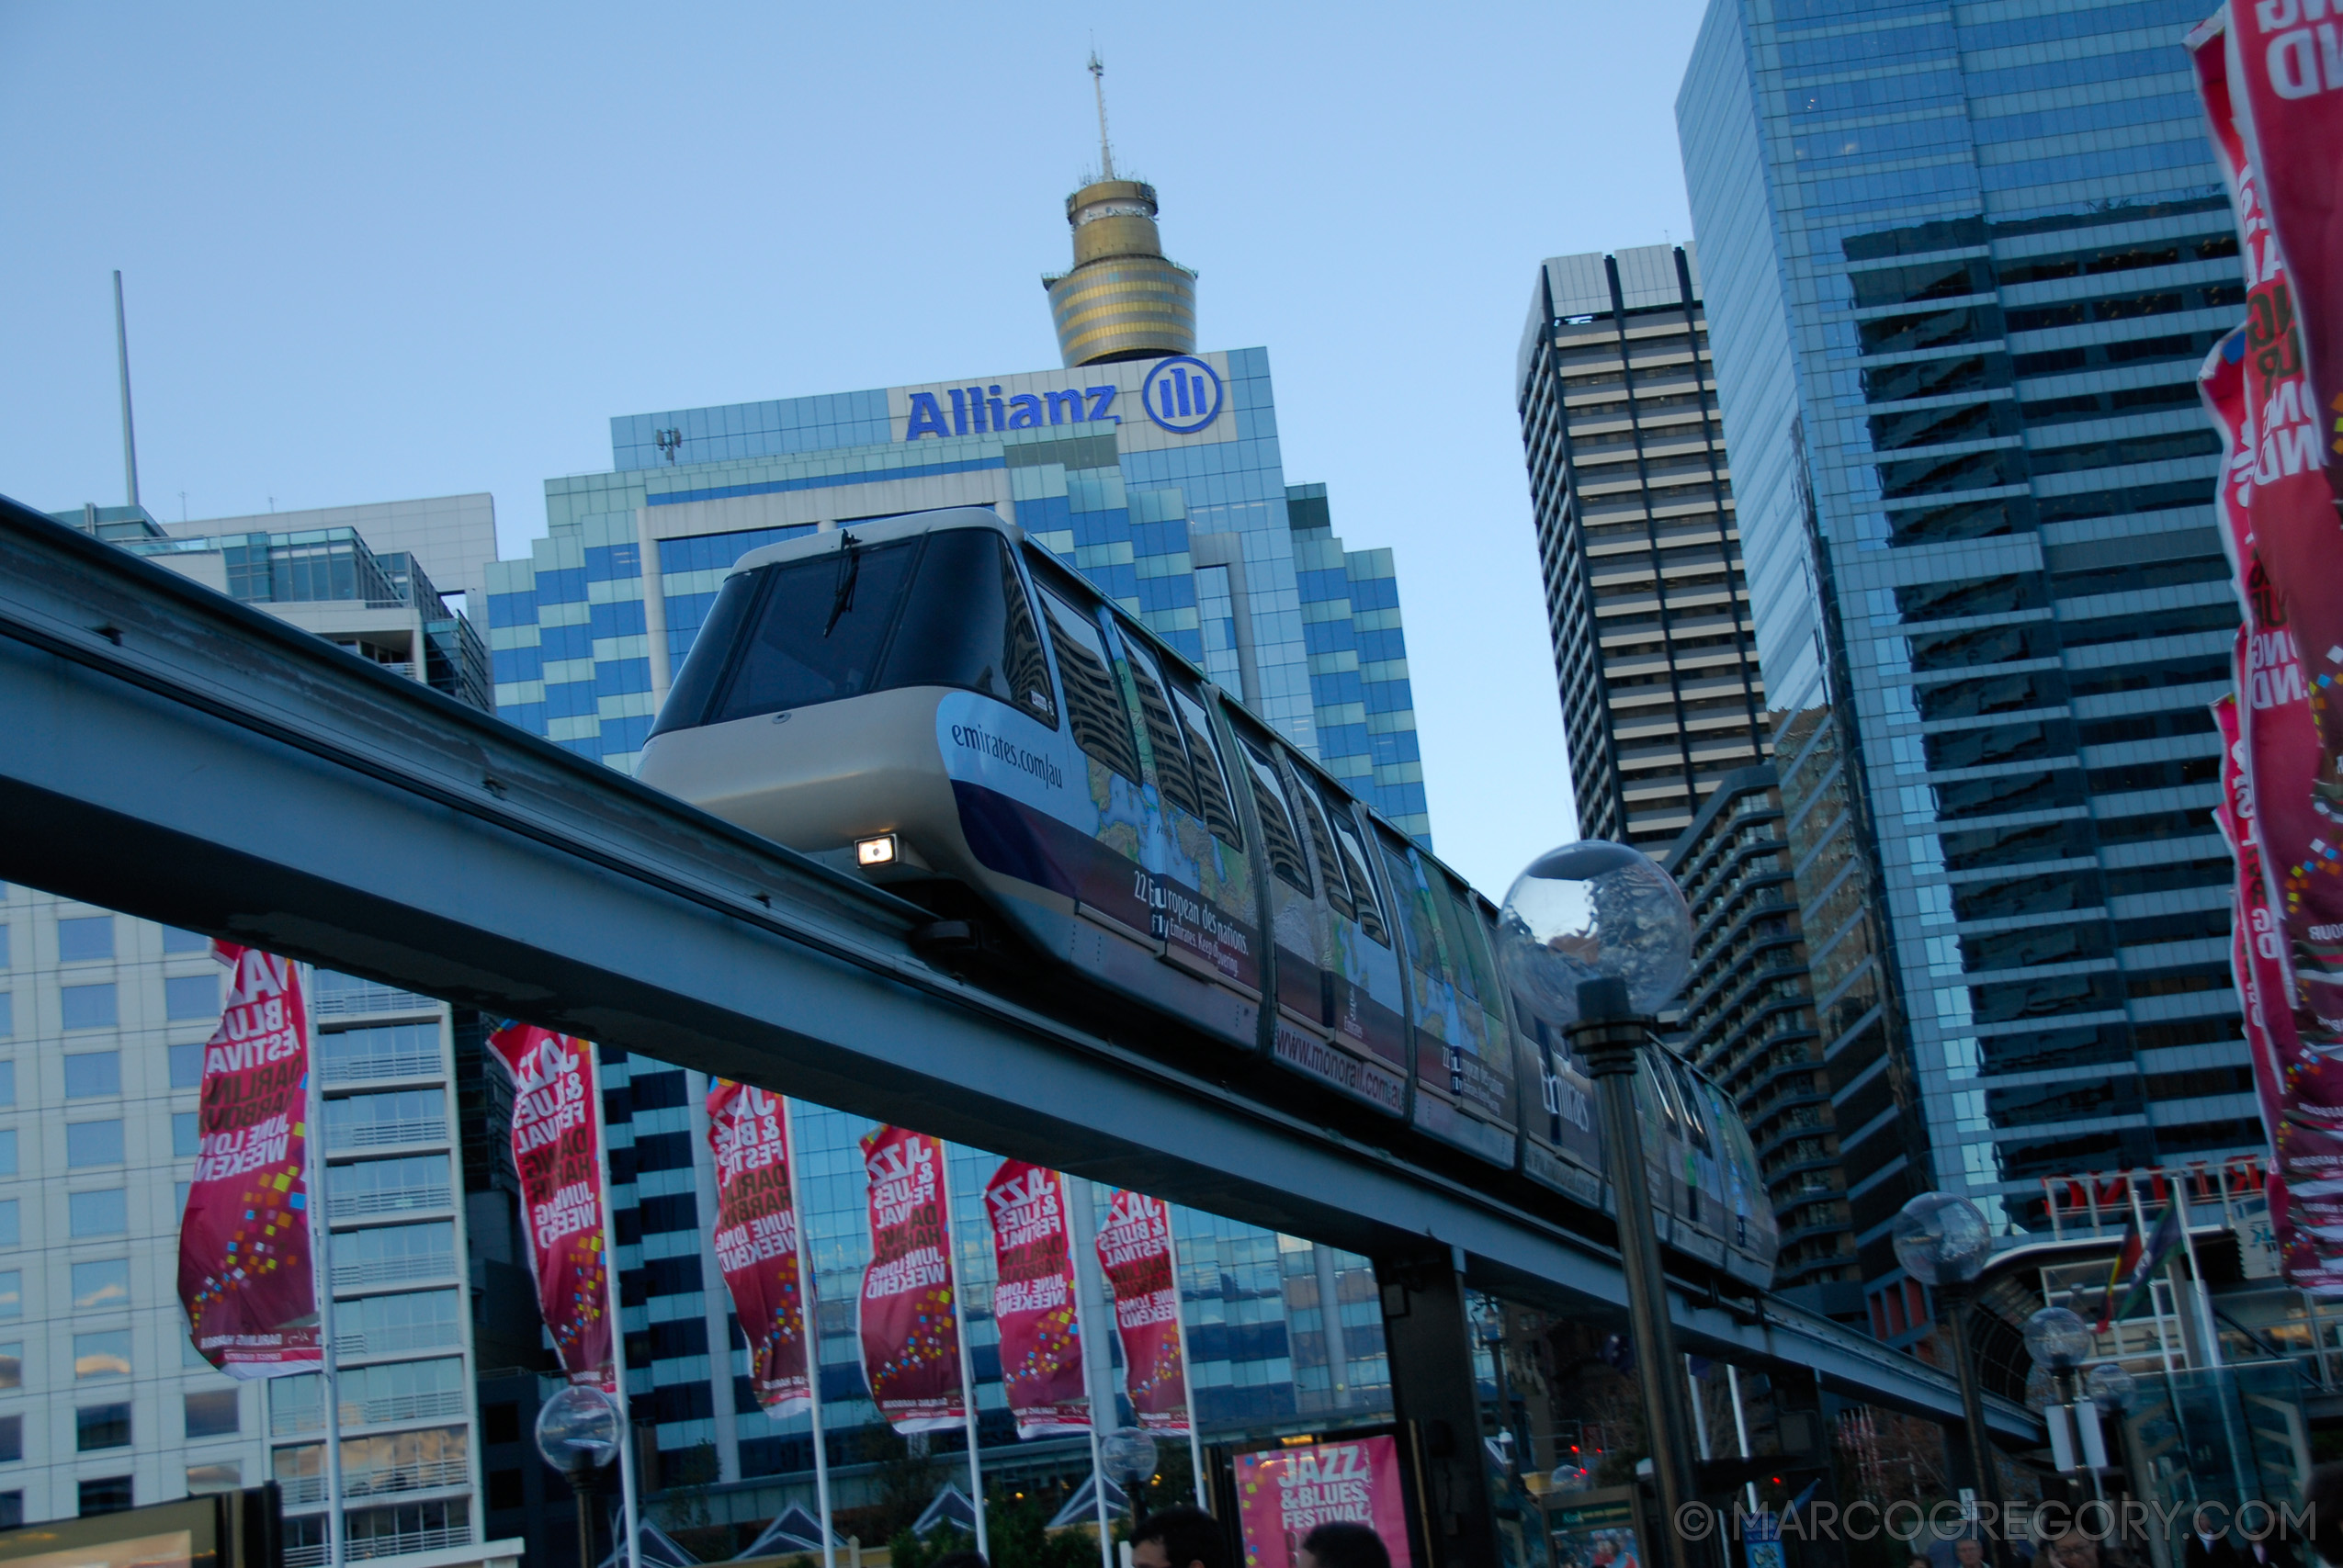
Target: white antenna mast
122 362
1105 149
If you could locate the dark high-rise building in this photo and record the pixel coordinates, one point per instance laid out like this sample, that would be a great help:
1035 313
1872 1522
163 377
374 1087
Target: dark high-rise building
1644 594
1749 1021
1961 268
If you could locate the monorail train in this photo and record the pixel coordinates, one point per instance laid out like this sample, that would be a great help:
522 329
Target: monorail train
938 703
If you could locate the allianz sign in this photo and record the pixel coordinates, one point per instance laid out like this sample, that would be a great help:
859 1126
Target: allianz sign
1183 395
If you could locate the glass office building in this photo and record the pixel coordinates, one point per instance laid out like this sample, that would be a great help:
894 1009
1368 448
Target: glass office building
1961 265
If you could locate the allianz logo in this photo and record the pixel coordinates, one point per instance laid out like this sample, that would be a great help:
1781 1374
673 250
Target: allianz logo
1183 395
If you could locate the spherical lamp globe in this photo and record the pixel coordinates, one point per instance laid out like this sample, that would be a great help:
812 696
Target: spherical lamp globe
1590 911
1941 1239
1128 1451
2058 1339
578 1427
2110 1388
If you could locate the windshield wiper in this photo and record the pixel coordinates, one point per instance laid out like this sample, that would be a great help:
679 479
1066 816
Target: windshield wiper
849 572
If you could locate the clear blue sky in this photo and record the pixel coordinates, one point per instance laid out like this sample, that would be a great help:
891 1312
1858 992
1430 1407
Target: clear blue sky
384 252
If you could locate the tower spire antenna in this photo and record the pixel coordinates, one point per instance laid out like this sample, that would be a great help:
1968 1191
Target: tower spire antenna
1098 85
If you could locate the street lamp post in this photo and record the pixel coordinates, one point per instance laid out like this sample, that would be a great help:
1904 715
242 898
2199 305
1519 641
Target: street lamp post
577 1434
1942 1242
2058 1340
1597 937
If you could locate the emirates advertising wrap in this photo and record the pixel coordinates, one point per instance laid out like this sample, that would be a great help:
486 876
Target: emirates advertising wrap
555 1150
2285 808
2285 63
246 1274
756 1239
1134 1251
910 1329
1284 1493
1033 1301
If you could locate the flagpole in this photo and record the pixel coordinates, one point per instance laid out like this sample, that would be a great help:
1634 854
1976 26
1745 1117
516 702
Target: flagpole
320 1252
1187 1371
961 1332
812 1331
1081 1226
632 1556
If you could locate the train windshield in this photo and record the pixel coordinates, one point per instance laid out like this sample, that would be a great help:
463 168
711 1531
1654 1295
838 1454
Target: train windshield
947 609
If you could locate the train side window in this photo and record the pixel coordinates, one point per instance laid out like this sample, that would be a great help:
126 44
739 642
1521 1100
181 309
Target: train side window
1212 774
1346 839
1172 774
1094 703
821 630
968 624
1473 978
1424 947
1284 846
1329 866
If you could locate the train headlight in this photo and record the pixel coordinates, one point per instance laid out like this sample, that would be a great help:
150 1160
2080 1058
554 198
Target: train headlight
880 851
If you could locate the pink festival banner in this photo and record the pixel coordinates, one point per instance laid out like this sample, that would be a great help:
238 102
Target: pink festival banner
1284 1493
1134 1251
908 1316
756 1239
1033 1301
246 1275
556 1152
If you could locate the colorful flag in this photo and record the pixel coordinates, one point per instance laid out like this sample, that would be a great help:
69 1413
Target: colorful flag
2145 1260
1134 1251
908 1316
554 1149
1283 1494
1033 1301
246 1272
2127 1257
756 1239
2286 81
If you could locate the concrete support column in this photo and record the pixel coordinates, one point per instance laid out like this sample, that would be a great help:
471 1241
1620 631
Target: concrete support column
1429 1339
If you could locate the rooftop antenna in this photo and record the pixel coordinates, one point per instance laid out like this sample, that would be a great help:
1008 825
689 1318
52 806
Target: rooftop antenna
122 360
1105 149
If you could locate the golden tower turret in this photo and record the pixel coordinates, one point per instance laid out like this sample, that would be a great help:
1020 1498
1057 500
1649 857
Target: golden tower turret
1123 299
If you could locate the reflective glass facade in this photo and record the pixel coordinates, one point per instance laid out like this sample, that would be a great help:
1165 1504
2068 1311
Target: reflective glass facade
1961 263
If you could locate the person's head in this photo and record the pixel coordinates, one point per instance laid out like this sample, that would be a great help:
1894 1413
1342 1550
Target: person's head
2075 1549
1182 1537
2206 1524
1968 1551
1920 1563
1343 1543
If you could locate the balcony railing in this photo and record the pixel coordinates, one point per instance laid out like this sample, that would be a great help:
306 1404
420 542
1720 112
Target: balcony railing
360 1548
388 1201
430 1405
346 996
385 1133
354 1067
396 1270
397 1338
377 1483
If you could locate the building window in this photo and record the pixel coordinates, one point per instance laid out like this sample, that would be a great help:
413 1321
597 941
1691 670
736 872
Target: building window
87 1006
11 1439
212 1414
505 1491
12 1510
7 1151
98 1427
186 1136
86 939
12 1365
11 1233
92 1142
176 940
191 996
186 1066
219 1475
107 1494
105 1354
104 1213
102 1286
12 1293
89 1073
8 1078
